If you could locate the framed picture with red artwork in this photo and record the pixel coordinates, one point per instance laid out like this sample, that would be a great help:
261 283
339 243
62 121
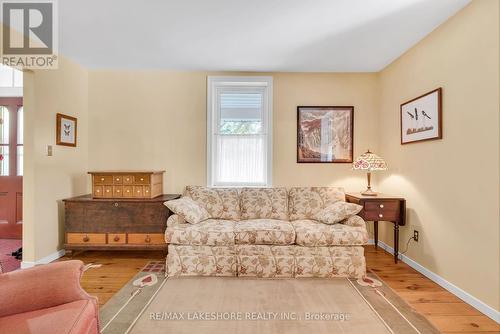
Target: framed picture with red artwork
325 134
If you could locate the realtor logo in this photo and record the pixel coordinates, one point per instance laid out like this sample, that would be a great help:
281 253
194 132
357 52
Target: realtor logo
29 34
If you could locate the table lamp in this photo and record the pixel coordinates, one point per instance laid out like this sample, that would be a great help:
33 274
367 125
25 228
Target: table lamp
370 162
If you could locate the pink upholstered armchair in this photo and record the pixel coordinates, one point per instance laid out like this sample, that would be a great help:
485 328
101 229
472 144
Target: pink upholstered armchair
47 299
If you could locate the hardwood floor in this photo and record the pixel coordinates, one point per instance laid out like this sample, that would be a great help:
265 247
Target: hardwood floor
447 312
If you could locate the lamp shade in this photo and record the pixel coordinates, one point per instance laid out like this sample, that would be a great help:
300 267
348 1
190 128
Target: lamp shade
369 161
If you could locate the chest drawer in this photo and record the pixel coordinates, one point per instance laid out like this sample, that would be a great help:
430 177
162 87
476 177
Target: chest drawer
382 210
86 238
117 238
146 239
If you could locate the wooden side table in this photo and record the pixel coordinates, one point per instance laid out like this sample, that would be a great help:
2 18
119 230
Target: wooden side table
382 208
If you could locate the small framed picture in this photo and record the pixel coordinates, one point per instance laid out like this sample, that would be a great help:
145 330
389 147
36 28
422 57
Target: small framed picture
66 127
325 134
421 118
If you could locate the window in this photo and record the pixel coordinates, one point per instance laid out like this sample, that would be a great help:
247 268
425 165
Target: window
239 133
4 141
19 145
11 136
10 77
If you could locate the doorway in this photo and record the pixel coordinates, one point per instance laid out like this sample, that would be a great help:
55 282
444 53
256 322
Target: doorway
11 167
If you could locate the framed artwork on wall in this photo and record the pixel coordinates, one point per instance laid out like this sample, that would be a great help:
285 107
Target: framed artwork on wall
66 130
325 134
421 118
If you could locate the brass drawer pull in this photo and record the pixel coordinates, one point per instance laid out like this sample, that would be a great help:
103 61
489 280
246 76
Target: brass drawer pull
381 206
116 238
116 205
148 239
86 238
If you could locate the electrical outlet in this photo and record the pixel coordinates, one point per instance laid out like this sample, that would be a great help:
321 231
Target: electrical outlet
415 235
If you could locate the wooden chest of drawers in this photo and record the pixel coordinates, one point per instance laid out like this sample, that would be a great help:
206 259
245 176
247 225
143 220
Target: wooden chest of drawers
127 223
127 184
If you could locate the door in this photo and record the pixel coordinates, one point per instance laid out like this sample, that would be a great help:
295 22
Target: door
11 167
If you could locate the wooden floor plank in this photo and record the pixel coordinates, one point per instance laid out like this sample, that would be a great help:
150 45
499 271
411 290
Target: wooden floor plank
446 311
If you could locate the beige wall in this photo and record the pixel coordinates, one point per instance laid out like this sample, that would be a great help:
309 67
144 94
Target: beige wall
451 185
157 120
47 180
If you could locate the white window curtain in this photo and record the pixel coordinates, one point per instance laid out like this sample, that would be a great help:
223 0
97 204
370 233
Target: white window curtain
239 131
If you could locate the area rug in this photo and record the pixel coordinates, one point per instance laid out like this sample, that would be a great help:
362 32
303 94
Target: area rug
7 261
152 304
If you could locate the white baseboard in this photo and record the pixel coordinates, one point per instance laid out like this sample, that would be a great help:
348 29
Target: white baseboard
465 296
49 258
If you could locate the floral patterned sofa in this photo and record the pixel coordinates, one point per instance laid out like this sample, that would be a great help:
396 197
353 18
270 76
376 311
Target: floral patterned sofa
265 232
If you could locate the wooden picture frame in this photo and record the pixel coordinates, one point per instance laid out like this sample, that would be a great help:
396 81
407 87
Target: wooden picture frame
66 130
421 118
335 122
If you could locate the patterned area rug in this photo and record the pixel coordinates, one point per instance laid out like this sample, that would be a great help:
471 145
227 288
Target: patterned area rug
7 261
126 305
149 303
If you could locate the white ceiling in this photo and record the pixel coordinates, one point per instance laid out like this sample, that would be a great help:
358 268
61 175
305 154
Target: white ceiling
247 35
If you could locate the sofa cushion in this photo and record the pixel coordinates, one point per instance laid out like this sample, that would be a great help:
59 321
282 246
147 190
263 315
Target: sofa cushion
75 317
187 208
258 203
265 261
185 260
264 232
304 202
211 232
337 212
313 233
221 203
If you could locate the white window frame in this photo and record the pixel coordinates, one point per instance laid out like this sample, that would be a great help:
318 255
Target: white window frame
214 84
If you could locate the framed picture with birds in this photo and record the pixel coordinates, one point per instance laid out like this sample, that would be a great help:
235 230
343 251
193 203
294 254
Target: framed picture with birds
421 118
66 130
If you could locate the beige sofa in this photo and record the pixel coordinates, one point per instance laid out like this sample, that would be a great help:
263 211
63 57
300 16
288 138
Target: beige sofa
265 232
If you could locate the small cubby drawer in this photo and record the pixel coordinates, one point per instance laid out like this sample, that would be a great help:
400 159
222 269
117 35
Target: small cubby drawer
146 239
86 238
98 191
103 179
141 179
117 238
117 179
128 179
138 191
117 191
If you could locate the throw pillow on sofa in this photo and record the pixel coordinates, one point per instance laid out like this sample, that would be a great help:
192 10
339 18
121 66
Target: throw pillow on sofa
337 212
188 209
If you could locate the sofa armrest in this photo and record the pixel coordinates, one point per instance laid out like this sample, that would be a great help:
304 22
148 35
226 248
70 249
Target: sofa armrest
175 220
42 287
355 221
